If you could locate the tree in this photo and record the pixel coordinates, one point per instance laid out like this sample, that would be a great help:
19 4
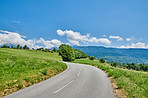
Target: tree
25 47
92 58
18 46
102 60
66 52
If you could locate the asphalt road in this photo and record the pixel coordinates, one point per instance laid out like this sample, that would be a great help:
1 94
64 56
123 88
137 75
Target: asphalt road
78 81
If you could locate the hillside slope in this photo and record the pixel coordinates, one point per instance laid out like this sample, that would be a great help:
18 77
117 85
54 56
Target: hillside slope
22 68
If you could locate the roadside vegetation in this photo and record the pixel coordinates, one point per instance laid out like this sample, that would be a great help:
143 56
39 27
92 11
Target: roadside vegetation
132 83
70 54
20 68
133 66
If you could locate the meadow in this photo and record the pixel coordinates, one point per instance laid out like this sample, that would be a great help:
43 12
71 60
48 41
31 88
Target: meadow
22 68
132 83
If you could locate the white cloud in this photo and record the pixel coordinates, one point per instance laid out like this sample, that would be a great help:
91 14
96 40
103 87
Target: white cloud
75 37
14 38
116 37
17 21
129 39
135 45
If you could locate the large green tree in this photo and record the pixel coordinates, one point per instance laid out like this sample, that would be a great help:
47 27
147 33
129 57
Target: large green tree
67 52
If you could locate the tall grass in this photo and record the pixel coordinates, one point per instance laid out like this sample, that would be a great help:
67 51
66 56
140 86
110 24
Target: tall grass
134 83
20 68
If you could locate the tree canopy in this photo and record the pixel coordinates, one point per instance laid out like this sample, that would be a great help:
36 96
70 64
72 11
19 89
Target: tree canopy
67 52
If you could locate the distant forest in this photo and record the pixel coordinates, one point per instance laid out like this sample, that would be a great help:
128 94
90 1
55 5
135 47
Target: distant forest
121 56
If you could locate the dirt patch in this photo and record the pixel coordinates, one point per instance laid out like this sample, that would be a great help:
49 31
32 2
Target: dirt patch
118 93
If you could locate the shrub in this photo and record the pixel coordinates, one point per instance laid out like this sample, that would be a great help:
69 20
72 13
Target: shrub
102 60
115 64
20 85
92 58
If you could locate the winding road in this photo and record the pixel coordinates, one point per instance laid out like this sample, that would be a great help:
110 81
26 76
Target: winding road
77 81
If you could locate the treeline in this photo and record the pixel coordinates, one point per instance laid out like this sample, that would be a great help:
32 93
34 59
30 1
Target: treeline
70 54
48 50
17 47
140 67
25 47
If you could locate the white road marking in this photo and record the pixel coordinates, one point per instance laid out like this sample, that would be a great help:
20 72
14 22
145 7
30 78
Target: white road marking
62 87
78 74
65 85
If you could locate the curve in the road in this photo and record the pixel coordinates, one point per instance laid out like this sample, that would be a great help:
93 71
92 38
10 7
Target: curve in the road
77 81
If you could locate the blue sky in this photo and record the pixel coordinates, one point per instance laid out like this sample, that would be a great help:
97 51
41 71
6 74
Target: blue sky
49 23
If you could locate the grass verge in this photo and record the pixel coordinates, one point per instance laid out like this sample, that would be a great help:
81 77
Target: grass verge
133 83
22 68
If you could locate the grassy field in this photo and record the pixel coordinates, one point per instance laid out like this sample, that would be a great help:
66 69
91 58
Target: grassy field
133 83
22 68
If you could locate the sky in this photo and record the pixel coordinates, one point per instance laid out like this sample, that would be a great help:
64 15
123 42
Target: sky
50 23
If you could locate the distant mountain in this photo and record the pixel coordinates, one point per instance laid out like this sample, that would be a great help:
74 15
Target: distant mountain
122 56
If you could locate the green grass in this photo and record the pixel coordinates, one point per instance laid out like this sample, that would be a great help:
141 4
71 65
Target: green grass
26 67
134 83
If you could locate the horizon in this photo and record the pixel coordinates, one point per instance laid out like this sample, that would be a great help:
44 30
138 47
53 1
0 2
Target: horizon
47 24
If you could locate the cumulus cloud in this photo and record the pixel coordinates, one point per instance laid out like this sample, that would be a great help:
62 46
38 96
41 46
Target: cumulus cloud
75 38
17 21
116 37
135 45
13 38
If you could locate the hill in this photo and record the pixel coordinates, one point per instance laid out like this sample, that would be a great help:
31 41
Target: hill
122 56
22 68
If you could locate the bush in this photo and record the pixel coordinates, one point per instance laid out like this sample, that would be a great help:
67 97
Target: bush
115 64
102 60
92 58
